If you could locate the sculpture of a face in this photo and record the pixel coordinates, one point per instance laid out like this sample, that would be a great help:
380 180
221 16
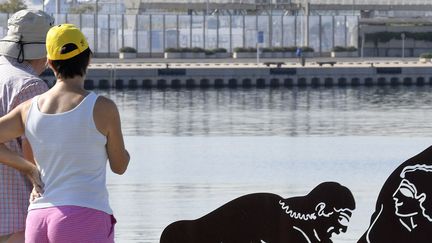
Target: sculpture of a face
412 206
335 222
407 201
343 218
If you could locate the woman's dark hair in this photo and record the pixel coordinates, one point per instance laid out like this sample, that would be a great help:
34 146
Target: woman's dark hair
74 66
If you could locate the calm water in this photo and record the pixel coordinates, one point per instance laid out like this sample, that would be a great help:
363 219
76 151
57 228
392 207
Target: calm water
194 150
362 111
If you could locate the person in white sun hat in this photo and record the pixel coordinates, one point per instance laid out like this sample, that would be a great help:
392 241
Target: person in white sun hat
73 133
22 60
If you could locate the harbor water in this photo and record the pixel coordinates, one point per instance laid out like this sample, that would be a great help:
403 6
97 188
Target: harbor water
192 150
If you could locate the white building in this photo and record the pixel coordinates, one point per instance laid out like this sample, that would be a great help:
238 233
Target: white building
104 6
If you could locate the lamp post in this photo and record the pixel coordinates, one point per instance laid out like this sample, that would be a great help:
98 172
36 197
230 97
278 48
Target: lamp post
206 16
57 2
306 24
403 44
270 6
96 7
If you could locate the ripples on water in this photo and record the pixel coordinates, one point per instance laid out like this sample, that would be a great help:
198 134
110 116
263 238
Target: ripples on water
370 111
194 150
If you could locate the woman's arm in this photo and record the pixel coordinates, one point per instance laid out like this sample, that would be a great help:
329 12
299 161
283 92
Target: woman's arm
12 159
27 151
28 155
107 120
12 124
11 127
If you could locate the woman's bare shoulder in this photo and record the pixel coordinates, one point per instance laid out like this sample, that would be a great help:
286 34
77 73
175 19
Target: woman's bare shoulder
105 114
23 109
103 102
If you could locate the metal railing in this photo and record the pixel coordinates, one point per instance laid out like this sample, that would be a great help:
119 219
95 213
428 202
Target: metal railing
367 2
152 34
344 2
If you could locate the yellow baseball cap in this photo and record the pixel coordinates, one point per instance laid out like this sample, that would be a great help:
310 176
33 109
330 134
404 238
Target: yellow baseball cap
65 41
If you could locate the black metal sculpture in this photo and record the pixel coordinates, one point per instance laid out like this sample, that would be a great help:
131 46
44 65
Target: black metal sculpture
266 217
404 206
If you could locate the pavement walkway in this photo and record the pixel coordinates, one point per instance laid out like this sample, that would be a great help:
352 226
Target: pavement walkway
287 62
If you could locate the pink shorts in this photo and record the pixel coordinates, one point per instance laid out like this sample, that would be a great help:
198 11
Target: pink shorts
69 224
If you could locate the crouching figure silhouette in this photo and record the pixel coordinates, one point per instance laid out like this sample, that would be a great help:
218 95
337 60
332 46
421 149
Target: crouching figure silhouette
270 218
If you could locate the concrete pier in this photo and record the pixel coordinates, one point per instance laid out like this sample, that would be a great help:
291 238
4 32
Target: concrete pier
119 74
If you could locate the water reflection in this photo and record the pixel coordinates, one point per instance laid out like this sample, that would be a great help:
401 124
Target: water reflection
380 111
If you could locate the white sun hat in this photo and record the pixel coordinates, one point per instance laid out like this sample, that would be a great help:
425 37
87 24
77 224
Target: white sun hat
25 39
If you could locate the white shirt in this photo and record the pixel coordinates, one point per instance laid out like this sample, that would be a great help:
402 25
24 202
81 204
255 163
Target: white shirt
71 156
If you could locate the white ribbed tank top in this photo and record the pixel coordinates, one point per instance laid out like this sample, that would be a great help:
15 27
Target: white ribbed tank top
71 156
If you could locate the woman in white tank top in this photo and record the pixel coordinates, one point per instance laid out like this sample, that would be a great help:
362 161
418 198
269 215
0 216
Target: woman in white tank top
73 133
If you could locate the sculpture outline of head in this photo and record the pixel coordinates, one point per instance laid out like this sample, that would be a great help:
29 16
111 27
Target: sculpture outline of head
410 196
325 210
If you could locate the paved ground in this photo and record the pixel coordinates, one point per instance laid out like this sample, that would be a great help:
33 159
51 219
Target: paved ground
287 62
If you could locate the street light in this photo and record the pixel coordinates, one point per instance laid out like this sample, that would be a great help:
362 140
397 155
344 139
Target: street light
270 3
206 24
403 44
96 7
57 4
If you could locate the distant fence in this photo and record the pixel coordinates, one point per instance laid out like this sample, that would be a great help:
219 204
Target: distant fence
151 34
